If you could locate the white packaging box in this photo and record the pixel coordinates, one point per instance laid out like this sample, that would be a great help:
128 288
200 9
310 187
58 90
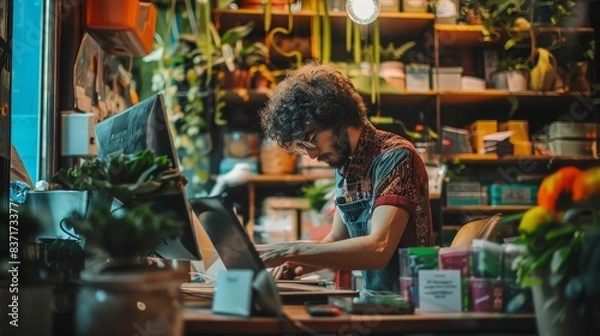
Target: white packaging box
417 77
446 78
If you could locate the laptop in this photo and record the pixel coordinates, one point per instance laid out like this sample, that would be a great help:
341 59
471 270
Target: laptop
237 251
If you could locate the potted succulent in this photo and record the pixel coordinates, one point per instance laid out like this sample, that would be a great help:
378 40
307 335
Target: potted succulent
559 236
120 292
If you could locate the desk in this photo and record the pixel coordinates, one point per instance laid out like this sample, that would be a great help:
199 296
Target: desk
200 320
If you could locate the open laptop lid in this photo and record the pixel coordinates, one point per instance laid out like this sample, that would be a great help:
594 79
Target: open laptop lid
227 233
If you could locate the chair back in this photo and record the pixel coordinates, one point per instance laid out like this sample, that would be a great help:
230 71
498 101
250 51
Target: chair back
485 228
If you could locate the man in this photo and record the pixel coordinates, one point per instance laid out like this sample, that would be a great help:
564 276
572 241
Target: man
382 200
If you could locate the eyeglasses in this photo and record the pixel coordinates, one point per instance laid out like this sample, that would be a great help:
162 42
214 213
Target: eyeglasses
303 146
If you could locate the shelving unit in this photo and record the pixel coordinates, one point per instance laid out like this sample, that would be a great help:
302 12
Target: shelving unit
442 107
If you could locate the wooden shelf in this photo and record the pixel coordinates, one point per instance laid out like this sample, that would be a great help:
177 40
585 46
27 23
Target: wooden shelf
461 97
493 158
411 98
472 35
287 178
243 96
487 208
391 24
406 98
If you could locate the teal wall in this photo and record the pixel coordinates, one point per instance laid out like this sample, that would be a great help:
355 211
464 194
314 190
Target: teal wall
26 81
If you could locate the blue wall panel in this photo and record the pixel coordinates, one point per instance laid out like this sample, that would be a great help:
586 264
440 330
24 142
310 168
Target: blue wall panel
26 81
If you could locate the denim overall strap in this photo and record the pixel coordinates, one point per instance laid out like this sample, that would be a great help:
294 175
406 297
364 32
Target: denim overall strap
357 218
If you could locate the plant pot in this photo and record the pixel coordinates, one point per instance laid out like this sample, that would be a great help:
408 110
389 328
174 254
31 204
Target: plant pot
544 73
500 80
236 79
578 77
130 303
549 303
394 74
516 81
276 160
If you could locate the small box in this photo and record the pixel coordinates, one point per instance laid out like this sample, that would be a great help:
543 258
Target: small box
478 130
415 6
513 194
573 147
78 136
572 130
520 129
417 77
122 27
446 78
523 148
455 141
392 6
483 127
463 194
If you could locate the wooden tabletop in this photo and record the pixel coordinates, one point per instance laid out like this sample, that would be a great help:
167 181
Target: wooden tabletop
200 320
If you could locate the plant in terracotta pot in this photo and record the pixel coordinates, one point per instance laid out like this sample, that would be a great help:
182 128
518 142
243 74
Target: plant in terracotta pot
557 235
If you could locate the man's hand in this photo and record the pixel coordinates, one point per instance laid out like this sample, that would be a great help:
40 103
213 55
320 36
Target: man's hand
288 271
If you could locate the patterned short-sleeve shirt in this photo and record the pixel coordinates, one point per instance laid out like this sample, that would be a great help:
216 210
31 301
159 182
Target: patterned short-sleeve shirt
405 187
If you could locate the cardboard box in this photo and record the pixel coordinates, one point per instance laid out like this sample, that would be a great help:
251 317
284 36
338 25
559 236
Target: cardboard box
520 129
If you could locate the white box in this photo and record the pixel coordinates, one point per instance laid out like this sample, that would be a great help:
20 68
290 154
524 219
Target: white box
446 78
78 137
417 77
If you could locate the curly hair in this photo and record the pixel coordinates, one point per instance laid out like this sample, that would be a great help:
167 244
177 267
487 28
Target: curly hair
312 98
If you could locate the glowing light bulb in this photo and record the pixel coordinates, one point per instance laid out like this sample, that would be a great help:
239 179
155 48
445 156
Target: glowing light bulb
362 11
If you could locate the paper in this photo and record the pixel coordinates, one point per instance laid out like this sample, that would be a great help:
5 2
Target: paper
233 292
439 291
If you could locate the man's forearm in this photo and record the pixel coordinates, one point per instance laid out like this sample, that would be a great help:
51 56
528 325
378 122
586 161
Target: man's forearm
355 253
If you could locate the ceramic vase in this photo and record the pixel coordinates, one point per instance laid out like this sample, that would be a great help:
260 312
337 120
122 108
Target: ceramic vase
147 302
555 315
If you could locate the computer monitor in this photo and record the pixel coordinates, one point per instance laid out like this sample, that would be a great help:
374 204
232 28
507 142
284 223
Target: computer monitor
145 126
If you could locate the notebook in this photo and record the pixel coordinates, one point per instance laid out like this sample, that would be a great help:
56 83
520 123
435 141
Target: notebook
236 250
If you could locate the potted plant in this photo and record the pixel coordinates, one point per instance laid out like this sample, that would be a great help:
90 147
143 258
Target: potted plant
558 263
120 293
511 73
238 60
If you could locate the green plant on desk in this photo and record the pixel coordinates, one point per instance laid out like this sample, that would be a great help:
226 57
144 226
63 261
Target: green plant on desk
120 291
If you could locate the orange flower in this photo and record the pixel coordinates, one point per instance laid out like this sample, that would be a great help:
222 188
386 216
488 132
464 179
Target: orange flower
586 184
534 218
555 185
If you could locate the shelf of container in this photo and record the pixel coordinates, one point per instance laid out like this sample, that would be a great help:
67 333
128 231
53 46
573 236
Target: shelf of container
486 208
462 97
391 24
402 98
472 35
493 158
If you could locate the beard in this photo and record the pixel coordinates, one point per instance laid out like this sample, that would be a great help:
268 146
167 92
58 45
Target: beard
341 150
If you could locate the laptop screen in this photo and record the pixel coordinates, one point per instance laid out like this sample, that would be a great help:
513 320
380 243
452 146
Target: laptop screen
227 233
